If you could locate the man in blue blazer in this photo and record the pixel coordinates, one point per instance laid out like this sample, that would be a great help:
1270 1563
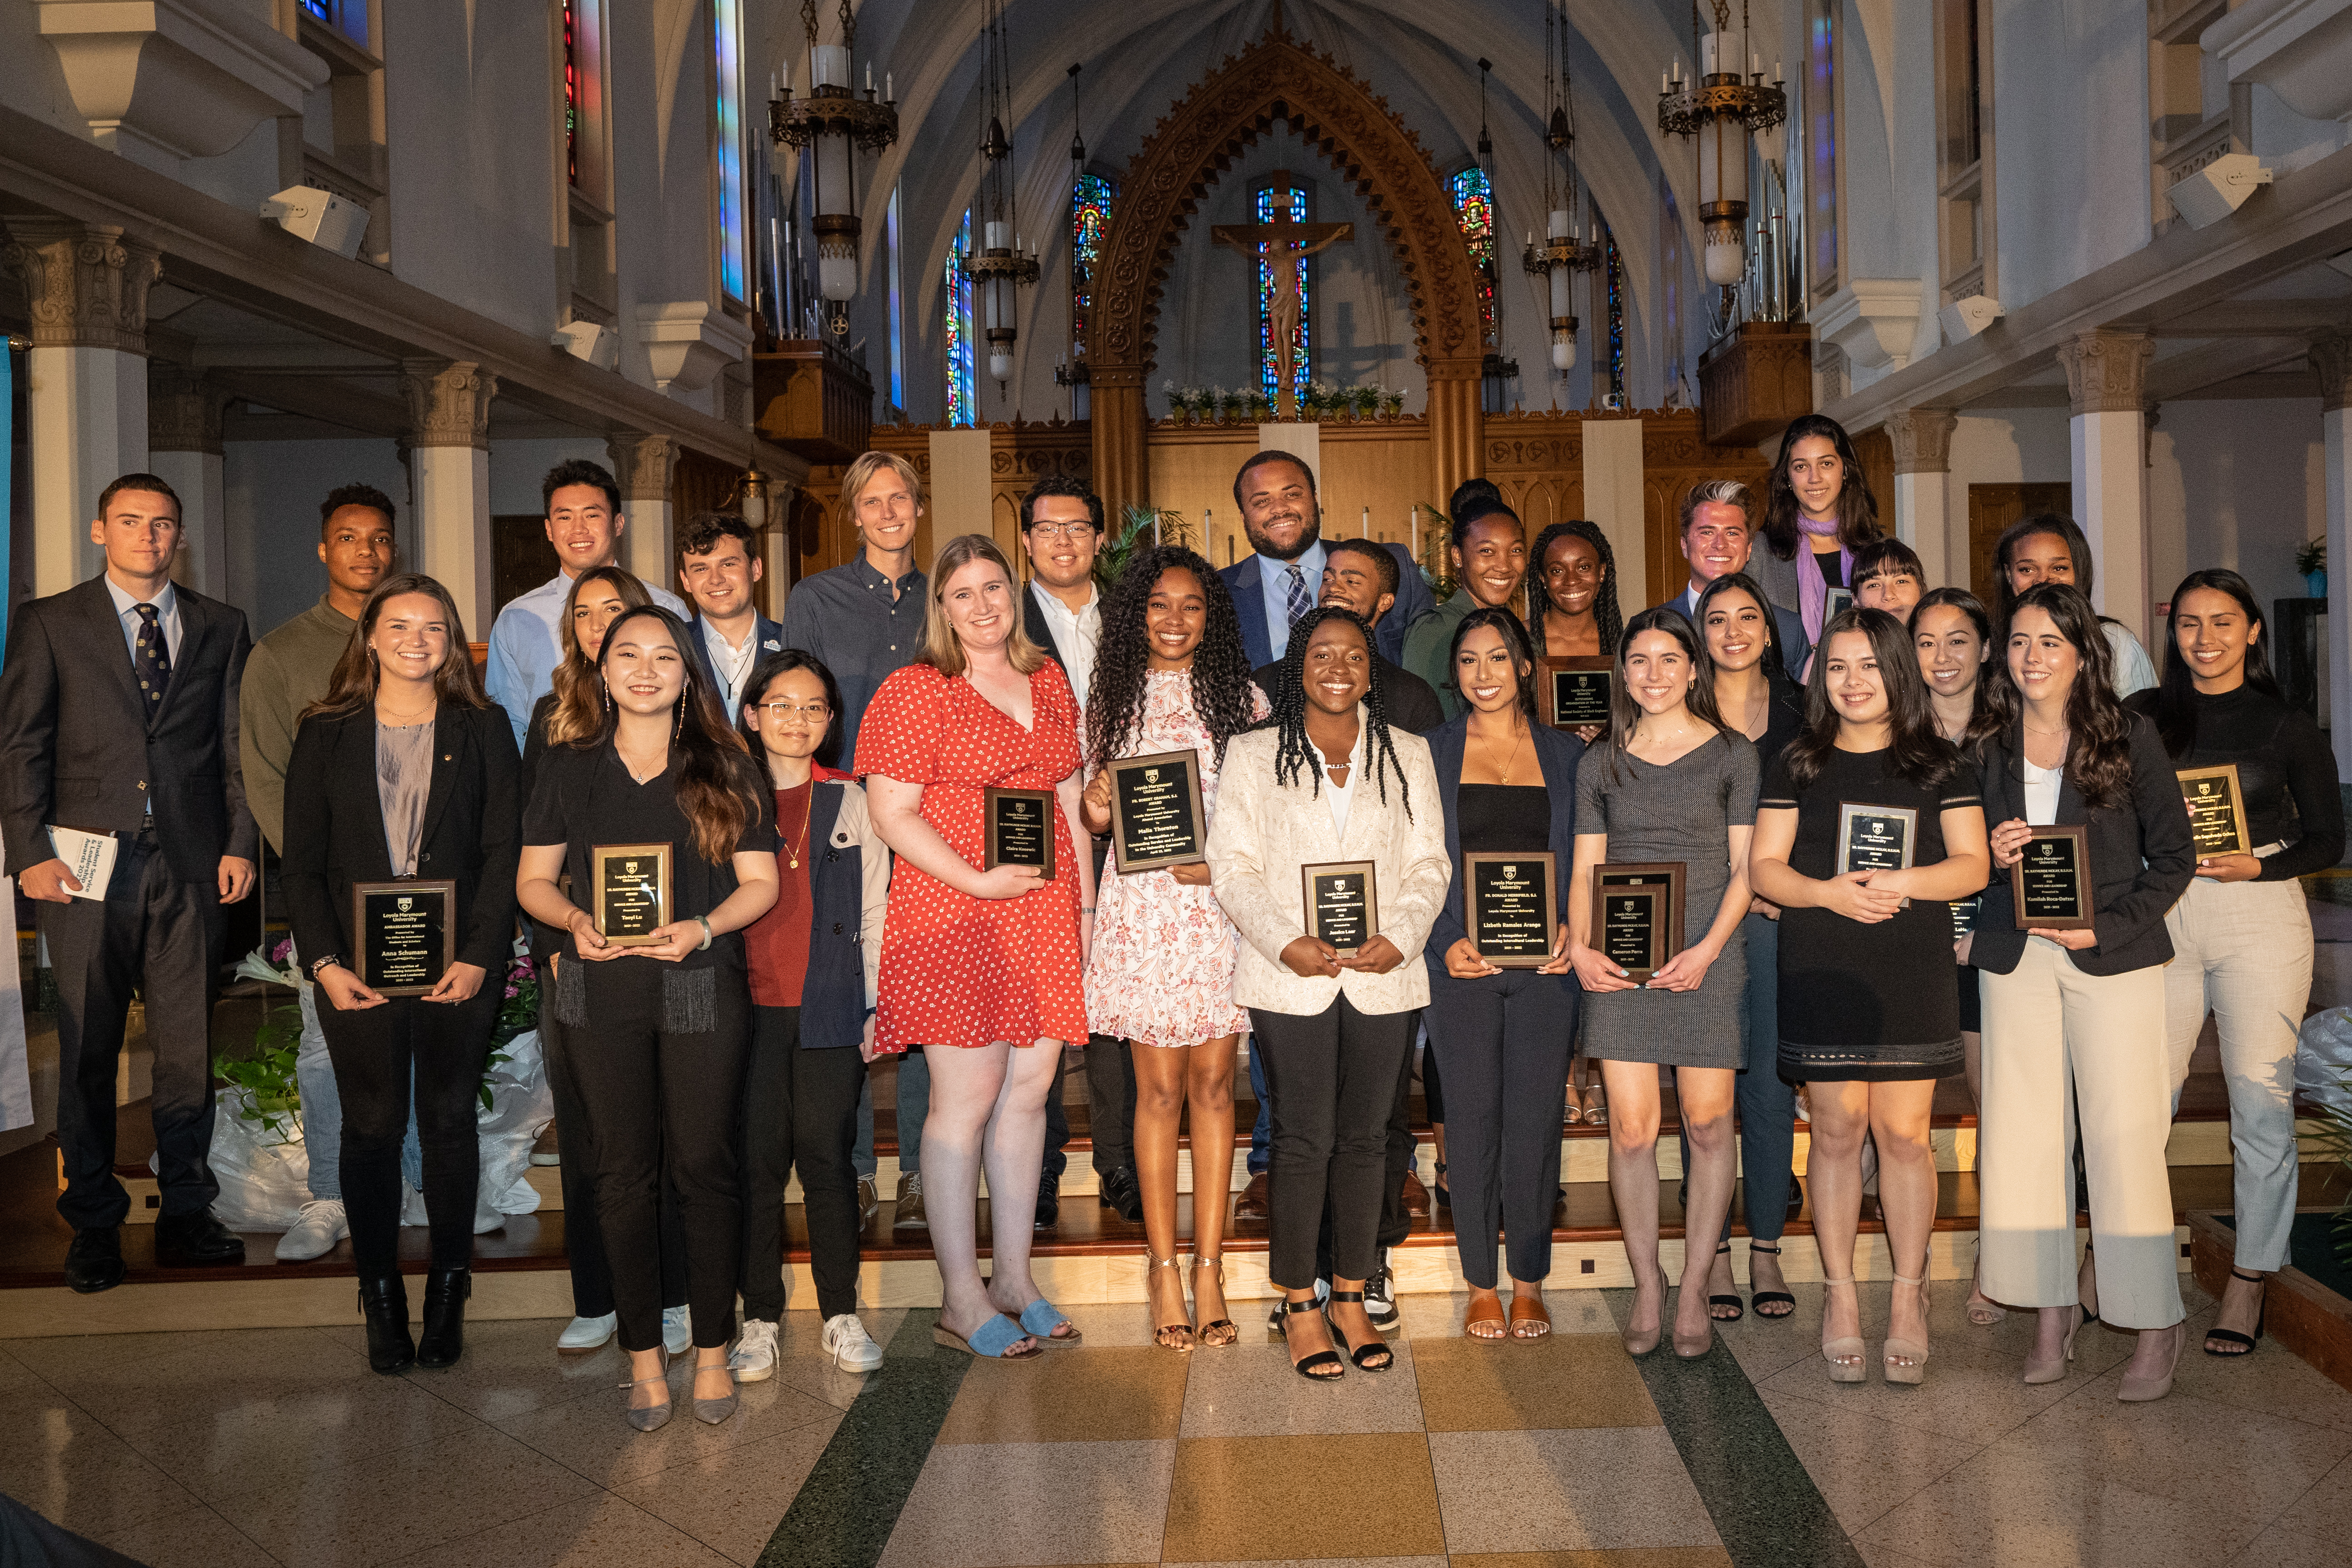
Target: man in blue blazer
1718 538
1276 493
717 566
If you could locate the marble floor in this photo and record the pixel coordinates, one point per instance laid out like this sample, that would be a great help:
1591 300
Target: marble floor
218 1450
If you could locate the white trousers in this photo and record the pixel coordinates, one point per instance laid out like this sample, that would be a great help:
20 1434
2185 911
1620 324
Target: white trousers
2054 1037
2241 950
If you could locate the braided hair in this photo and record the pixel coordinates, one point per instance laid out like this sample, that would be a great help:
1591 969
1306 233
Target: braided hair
1293 751
1220 674
1607 618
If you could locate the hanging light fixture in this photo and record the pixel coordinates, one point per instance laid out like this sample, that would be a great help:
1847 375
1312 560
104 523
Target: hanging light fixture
1074 374
836 122
1722 107
1564 252
1496 371
996 263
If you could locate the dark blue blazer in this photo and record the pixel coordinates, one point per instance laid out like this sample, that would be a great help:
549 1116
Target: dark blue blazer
1558 753
1787 625
767 637
1413 601
832 991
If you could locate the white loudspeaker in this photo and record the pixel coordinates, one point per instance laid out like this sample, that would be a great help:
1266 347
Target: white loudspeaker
600 346
1967 318
2218 189
322 217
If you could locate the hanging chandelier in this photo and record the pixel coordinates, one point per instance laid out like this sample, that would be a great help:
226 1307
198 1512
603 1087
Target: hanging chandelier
836 122
1564 252
996 262
1074 373
1722 107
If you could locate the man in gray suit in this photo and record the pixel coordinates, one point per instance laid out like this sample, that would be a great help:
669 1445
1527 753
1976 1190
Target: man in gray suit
118 716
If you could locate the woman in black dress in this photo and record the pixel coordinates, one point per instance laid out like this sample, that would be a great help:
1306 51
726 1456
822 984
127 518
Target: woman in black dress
405 769
661 1073
1869 1019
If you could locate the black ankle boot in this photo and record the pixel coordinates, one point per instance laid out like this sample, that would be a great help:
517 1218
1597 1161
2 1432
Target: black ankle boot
383 1302
443 1339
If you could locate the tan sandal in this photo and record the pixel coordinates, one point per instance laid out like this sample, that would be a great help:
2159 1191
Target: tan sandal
1176 1336
1485 1311
1217 1332
1530 1319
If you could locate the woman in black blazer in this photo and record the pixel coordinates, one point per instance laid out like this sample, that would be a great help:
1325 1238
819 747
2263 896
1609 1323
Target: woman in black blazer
405 769
1503 1037
2080 1004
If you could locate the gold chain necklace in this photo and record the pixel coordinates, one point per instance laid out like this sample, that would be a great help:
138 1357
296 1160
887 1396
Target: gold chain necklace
807 809
1518 739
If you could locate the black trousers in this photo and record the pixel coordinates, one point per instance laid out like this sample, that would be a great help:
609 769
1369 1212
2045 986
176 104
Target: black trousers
163 937
660 1075
1111 1103
583 1237
1395 1223
373 1049
800 1107
1504 1042
1332 1080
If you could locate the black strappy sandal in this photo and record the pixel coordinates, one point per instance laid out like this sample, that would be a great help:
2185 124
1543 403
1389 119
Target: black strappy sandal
2231 1336
1738 1309
1307 1368
1788 1302
1373 1357
1444 1193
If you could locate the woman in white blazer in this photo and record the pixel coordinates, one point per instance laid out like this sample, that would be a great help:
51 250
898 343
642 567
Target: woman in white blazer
1330 783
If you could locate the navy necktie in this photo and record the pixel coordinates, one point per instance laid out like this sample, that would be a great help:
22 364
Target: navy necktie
1299 603
153 659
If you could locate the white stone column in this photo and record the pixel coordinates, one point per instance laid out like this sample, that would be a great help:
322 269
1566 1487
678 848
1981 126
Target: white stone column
643 465
184 443
1923 463
2331 357
85 381
776 547
1613 499
2106 372
449 470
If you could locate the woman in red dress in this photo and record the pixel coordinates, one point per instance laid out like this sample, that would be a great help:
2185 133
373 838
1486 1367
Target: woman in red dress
985 969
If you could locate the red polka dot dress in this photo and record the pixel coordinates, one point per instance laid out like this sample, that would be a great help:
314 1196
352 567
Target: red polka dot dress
956 970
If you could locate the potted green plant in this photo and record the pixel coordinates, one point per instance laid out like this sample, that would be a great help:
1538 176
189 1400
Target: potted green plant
1395 401
2311 560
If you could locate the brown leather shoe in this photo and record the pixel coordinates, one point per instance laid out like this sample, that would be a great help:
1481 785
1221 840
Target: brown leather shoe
1252 1204
1416 1196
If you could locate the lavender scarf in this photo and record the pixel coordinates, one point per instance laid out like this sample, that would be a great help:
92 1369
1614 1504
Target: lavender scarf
1812 588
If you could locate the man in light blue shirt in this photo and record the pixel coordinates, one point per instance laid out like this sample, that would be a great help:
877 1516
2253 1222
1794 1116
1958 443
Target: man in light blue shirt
1276 493
584 524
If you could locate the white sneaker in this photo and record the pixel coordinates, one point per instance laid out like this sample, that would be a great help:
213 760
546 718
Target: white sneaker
486 1218
850 1346
412 1205
753 1359
315 1234
678 1329
582 1335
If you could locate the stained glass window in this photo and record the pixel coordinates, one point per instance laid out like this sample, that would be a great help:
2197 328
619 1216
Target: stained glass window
1473 209
728 26
1089 222
1616 269
325 9
1291 203
963 404
570 90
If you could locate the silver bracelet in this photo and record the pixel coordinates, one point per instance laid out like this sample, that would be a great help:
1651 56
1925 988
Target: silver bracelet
706 933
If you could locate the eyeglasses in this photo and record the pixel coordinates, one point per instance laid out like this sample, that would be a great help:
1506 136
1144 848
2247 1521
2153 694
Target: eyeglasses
1060 530
790 710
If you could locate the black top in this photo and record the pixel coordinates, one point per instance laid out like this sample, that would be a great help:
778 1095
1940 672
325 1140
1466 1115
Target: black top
1411 704
1784 721
2285 770
585 796
1505 819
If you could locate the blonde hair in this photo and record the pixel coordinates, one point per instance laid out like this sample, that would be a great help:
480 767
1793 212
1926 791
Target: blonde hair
861 473
942 650
579 712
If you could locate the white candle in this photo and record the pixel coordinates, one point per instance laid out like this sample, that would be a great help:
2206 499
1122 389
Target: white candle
1364 529
787 77
1415 518
889 87
771 84
870 78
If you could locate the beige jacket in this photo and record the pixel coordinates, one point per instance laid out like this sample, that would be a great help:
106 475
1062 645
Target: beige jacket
1263 833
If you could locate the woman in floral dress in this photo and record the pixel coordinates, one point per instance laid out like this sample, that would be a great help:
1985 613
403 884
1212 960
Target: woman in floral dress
1171 678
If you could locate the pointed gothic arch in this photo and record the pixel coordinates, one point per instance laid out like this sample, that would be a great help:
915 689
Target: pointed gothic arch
1277 78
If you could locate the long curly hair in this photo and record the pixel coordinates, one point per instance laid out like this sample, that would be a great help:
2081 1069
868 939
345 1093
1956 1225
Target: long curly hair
1983 721
1606 616
1857 508
1292 753
1921 754
1220 673
579 711
719 791
2176 695
2098 752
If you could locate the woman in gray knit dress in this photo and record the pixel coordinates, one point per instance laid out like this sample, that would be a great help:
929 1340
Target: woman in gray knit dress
1669 783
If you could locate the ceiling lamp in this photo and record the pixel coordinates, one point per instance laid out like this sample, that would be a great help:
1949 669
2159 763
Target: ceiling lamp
995 263
836 122
1722 106
1565 252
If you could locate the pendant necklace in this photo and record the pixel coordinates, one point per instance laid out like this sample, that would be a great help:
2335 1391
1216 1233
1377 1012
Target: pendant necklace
793 854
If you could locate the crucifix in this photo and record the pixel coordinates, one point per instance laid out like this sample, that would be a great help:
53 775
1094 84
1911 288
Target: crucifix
1283 244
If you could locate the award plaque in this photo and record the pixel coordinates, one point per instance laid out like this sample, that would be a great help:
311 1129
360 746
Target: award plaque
631 885
1343 906
1510 905
1964 914
2051 880
1575 691
1156 818
1875 837
405 934
2217 810
1836 603
1637 915
1017 829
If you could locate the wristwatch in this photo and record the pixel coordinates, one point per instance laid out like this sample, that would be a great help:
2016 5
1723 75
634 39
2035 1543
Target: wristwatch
319 963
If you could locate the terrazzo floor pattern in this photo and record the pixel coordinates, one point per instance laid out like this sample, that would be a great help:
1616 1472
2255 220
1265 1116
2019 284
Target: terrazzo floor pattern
277 1447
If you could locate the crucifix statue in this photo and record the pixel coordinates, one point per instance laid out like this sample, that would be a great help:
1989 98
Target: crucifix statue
1283 244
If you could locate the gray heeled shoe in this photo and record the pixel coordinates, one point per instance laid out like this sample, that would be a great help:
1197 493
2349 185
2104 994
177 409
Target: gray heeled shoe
650 1418
714 1410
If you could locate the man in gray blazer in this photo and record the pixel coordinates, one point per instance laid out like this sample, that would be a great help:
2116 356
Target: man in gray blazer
118 716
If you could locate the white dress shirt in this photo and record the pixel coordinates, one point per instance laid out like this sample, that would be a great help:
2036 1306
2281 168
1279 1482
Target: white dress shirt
167 616
733 665
526 643
1077 633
